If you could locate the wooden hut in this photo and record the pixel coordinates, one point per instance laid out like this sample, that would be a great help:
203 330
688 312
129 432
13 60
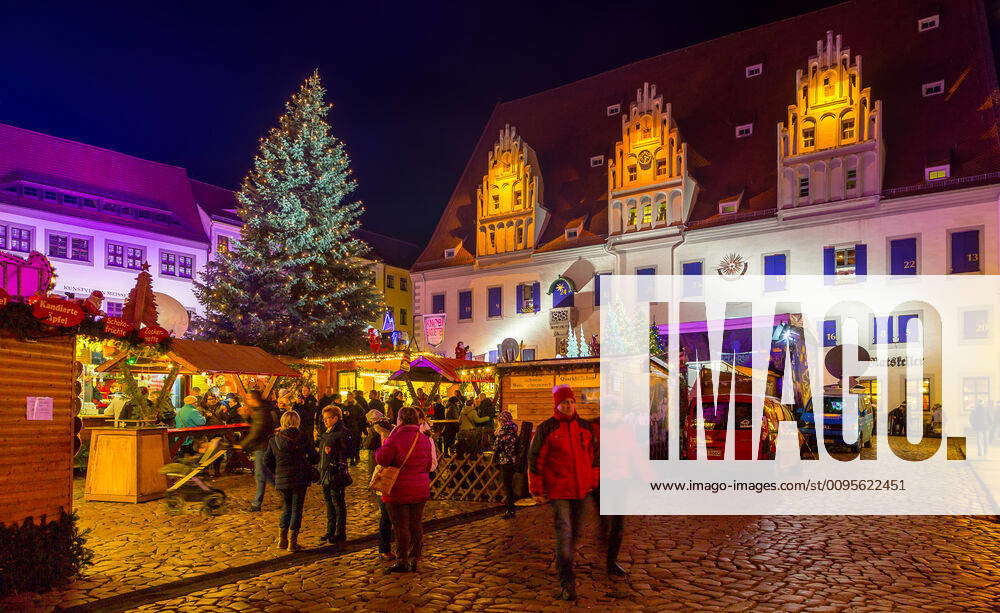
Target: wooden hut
526 387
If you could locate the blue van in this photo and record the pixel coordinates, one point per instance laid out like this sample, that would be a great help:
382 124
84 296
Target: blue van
833 410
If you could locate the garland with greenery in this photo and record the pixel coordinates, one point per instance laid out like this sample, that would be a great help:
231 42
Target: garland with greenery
37 557
17 319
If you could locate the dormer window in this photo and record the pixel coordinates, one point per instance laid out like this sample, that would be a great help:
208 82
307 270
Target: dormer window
744 131
928 23
933 89
614 109
754 71
572 233
728 207
937 173
449 253
597 160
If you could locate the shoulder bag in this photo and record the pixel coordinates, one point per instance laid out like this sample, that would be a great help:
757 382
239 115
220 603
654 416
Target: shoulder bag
384 477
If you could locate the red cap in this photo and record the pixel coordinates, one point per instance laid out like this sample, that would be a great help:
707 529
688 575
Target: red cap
560 393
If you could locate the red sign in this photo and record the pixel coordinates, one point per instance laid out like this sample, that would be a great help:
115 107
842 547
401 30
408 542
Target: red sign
434 329
4 297
58 312
153 334
117 326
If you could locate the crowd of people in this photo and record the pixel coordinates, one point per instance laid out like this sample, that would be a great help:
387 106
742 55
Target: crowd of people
299 440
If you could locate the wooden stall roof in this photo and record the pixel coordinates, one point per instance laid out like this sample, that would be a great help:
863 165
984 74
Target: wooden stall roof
204 356
430 367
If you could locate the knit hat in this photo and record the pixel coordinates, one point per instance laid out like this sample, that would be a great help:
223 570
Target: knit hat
560 393
374 415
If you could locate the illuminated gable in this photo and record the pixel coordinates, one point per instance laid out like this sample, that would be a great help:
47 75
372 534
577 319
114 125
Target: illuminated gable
508 210
648 182
831 146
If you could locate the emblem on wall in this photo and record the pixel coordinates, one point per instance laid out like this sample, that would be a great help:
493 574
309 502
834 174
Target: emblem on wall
645 158
733 265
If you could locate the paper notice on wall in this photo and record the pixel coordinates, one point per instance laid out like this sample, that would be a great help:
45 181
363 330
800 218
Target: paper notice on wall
39 408
512 409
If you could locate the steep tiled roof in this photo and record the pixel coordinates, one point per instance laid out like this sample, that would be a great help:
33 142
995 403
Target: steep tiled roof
710 95
392 251
60 163
218 202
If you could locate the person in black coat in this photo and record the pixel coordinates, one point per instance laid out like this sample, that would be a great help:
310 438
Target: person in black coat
290 454
262 427
375 402
333 474
353 419
393 406
307 409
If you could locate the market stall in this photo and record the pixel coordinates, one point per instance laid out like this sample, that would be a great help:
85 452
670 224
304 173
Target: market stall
231 368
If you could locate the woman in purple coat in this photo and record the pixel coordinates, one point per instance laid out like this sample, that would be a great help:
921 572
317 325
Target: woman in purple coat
410 451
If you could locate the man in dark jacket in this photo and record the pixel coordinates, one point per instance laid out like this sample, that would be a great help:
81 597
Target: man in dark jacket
333 474
486 408
393 406
307 410
563 468
354 422
262 427
375 402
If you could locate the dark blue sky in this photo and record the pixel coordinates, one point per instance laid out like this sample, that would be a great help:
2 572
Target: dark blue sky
196 84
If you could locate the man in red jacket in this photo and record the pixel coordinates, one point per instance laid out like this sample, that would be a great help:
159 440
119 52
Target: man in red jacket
563 468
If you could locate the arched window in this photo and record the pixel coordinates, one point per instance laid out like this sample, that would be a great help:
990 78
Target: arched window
631 215
647 213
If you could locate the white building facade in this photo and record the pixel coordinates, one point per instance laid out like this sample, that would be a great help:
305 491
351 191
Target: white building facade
801 159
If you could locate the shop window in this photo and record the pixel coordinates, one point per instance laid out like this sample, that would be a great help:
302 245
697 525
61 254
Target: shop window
465 305
975 391
965 251
437 303
494 300
775 271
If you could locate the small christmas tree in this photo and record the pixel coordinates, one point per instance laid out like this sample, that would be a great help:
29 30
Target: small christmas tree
656 348
582 342
140 306
572 347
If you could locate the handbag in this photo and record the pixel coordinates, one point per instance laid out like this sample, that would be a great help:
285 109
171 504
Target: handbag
384 477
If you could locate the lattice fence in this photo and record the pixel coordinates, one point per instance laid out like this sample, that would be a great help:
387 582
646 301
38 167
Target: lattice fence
471 480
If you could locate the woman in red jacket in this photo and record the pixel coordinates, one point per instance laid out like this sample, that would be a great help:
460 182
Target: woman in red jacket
410 451
563 469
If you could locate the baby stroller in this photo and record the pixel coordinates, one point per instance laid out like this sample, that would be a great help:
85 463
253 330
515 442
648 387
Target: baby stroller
188 487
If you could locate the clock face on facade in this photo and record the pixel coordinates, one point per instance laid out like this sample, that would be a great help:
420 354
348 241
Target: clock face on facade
733 265
645 158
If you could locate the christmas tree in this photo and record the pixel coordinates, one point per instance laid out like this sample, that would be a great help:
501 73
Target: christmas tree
140 306
297 282
656 347
572 347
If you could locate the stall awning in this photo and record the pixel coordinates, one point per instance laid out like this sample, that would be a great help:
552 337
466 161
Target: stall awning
433 368
204 356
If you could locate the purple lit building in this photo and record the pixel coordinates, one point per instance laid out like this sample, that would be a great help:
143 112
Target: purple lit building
99 215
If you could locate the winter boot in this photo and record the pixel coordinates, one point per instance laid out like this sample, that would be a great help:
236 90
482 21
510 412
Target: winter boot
283 539
293 541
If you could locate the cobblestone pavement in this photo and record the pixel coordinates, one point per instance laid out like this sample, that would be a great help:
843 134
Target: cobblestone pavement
784 563
137 546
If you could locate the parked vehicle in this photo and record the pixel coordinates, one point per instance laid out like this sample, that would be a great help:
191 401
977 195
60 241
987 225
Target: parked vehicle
833 414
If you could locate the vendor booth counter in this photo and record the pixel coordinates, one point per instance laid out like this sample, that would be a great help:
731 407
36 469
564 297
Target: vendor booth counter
124 463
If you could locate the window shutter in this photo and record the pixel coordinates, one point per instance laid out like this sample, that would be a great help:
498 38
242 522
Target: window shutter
903 256
597 290
829 263
519 298
775 268
903 320
536 295
860 260
830 338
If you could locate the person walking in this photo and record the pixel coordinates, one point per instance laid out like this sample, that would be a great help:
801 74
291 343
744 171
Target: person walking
563 468
256 442
612 527
379 429
505 456
410 451
981 423
486 408
450 431
290 455
334 474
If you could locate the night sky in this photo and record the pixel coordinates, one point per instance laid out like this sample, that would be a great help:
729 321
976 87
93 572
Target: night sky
412 83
